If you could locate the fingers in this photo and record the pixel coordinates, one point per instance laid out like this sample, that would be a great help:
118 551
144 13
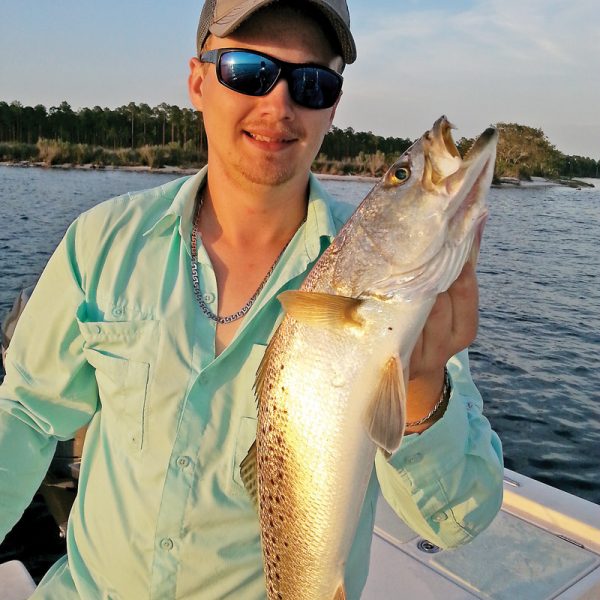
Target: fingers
450 327
464 294
437 332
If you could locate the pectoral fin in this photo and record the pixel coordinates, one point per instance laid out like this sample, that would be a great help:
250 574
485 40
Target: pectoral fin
321 310
385 416
248 474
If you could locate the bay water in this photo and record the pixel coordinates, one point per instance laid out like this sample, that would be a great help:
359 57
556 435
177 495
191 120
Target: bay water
536 360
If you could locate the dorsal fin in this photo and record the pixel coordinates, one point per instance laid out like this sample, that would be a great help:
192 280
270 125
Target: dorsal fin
386 413
321 310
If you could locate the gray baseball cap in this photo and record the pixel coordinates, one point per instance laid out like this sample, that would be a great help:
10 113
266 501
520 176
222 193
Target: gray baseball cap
222 17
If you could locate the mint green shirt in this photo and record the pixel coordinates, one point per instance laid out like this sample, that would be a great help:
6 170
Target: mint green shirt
113 337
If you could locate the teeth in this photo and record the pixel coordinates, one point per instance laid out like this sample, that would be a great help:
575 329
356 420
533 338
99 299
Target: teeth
264 138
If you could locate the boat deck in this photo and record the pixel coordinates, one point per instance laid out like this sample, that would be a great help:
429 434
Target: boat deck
544 544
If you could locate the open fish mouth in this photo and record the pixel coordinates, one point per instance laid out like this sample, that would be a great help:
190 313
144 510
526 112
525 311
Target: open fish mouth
465 179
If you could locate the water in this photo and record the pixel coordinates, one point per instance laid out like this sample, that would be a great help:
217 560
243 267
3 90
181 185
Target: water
536 358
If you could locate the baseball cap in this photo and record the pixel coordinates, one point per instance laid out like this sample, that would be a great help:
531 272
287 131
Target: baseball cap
222 17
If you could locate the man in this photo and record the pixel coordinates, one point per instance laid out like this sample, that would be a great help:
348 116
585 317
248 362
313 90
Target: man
153 314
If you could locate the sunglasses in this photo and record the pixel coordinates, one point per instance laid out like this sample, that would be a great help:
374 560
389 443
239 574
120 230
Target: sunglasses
255 74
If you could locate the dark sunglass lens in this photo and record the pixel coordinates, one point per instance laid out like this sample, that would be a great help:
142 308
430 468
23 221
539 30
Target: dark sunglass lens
247 73
314 87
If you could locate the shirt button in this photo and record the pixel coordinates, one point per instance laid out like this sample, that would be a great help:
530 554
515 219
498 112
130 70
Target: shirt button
414 459
166 544
117 311
183 462
439 517
98 329
208 298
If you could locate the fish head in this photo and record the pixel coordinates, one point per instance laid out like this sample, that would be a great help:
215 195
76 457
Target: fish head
426 214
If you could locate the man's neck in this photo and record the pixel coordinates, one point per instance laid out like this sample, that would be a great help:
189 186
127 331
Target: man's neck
254 214
244 230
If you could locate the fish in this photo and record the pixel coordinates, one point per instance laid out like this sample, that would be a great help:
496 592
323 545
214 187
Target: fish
331 387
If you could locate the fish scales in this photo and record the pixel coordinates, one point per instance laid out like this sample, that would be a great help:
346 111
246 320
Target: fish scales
322 409
299 482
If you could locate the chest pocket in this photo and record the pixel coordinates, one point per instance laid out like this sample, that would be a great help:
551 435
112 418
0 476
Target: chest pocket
123 354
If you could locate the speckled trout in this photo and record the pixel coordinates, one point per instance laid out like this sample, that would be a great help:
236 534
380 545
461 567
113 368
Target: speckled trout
331 387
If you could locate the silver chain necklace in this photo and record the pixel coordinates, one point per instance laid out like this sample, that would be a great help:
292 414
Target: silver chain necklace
209 313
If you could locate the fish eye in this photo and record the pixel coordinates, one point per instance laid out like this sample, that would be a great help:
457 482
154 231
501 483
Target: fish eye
400 175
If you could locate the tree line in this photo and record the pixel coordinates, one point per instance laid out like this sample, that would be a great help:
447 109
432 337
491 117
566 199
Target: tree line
167 134
135 125
525 152
129 126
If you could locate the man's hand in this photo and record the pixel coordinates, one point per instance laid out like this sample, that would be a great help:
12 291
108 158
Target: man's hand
450 328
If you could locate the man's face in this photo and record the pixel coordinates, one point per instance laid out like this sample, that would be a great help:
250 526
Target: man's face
266 140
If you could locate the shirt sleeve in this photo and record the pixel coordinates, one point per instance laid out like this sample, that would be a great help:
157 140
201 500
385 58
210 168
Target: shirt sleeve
446 483
49 390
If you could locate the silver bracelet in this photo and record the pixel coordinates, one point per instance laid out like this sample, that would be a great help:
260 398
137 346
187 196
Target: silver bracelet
440 404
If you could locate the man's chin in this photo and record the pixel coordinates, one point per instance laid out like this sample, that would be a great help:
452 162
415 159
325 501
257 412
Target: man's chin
268 173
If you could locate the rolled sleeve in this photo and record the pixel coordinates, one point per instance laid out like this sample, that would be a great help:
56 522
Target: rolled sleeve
446 483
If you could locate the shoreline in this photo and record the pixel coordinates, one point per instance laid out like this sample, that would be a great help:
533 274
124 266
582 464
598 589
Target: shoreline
542 182
167 169
25 164
503 183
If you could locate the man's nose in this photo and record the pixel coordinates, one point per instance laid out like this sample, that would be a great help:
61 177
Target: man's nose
278 101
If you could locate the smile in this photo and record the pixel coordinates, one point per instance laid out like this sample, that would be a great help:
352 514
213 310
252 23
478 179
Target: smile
268 139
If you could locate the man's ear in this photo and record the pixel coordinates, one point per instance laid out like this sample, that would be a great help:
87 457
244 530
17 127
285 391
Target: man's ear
195 80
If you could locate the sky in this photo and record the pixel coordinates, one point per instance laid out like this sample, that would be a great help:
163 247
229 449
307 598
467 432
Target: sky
480 62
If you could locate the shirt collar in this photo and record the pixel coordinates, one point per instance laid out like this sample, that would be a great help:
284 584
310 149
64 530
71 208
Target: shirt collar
181 208
319 219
